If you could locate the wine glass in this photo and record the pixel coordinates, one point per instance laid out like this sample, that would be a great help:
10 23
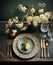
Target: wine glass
44 29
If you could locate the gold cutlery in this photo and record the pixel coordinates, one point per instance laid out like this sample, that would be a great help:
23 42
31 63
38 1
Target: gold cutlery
41 46
10 52
47 44
9 49
7 52
44 48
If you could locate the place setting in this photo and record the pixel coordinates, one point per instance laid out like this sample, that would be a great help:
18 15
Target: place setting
32 36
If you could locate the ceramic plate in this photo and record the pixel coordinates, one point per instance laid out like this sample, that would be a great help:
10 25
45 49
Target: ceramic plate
26 46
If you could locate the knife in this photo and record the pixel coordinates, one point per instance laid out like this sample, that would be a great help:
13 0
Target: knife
41 46
44 48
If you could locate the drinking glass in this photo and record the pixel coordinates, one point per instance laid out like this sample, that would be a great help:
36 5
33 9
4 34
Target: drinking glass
50 31
44 29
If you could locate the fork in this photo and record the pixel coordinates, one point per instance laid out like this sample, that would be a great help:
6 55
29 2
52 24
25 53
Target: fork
9 49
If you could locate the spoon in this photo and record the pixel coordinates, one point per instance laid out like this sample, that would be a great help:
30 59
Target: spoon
47 44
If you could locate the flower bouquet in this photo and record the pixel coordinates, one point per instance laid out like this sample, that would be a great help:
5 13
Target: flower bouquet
31 18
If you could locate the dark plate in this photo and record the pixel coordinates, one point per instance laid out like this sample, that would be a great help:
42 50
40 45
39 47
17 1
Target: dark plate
29 50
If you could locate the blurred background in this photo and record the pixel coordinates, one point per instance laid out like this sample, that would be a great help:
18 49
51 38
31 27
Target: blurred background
8 8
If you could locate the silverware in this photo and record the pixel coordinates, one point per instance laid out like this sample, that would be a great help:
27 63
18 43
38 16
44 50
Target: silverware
7 52
10 52
8 49
41 46
47 48
44 48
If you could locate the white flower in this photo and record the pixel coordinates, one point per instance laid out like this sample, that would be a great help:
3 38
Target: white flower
7 25
10 19
37 19
40 11
14 31
21 8
41 5
35 23
23 28
51 17
24 9
29 19
48 14
15 20
19 25
10 22
43 18
7 31
32 10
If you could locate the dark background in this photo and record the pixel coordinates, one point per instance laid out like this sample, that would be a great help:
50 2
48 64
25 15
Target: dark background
8 8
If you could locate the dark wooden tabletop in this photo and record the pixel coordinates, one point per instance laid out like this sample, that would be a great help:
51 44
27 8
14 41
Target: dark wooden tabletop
4 41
